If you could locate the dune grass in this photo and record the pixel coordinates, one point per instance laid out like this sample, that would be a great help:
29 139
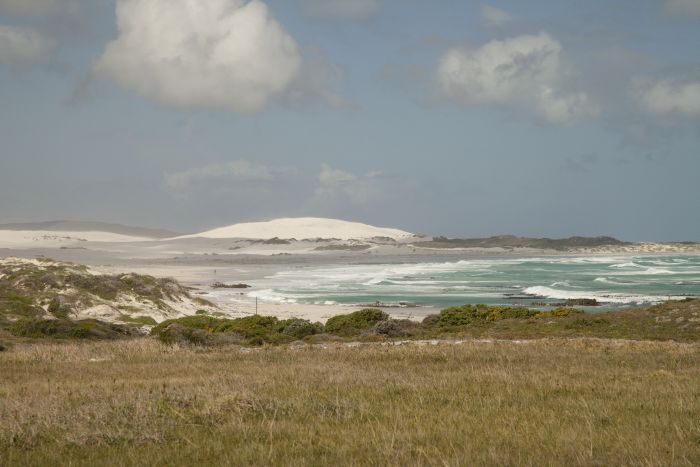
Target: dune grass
544 402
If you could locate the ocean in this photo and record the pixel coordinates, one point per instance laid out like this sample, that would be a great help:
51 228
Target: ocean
612 281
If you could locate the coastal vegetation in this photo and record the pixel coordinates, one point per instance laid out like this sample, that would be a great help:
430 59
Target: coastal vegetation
43 298
512 241
477 383
34 292
541 402
677 321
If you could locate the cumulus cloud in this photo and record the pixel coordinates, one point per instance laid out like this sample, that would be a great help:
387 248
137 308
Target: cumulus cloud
217 54
340 185
234 171
21 46
527 73
494 17
352 9
677 95
331 176
683 7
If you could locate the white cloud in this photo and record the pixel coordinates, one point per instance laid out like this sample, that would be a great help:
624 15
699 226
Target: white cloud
234 171
217 54
340 185
20 46
494 17
353 9
526 73
673 95
683 7
330 176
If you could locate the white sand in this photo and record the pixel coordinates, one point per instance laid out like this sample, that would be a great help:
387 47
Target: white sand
302 228
46 238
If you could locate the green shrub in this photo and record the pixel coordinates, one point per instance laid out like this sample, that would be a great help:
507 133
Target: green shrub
467 314
431 320
68 329
355 323
252 324
59 307
299 328
177 334
560 312
393 328
12 303
143 320
254 330
206 323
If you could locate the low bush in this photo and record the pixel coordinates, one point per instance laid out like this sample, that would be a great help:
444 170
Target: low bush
68 329
254 330
355 323
468 314
393 328
299 328
204 322
174 333
141 319
59 307
12 303
560 312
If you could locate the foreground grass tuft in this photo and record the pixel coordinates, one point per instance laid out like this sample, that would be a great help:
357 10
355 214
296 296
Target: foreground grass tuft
550 402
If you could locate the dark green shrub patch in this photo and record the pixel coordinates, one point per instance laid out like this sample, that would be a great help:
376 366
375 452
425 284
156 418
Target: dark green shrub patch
255 330
394 328
355 323
299 328
67 329
469 314
174 333
204 322
13 303
59 307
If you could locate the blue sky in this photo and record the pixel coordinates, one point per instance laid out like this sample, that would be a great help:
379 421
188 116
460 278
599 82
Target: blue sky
542 118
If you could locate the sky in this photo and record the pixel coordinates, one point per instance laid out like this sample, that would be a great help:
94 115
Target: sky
460 118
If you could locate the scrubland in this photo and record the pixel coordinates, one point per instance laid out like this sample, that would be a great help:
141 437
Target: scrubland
540 402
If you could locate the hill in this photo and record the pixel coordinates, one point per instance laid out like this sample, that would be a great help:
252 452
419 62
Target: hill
303 228
83 226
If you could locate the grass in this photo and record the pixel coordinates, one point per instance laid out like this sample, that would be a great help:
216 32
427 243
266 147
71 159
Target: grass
547 402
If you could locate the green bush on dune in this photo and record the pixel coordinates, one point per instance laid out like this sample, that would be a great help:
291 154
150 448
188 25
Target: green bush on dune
202 329
299 328
468 314
68 329
355 323
250 330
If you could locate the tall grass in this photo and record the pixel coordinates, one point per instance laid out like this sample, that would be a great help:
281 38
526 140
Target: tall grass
547 402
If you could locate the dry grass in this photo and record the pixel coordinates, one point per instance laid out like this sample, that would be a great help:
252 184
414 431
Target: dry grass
548 402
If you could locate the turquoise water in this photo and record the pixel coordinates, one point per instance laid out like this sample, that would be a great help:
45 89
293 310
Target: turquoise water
613 281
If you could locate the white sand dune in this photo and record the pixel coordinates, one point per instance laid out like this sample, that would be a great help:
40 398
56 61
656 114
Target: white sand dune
44 238
303 228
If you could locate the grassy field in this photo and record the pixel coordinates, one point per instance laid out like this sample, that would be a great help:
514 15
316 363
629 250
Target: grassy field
542 402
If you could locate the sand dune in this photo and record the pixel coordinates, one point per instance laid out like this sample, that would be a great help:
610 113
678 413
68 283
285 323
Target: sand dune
50 238
302 228
88 226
